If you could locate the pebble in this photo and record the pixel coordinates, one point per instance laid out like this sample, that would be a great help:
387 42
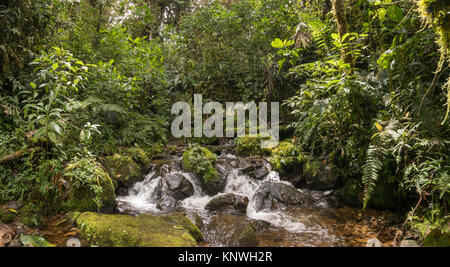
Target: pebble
373 242
408 243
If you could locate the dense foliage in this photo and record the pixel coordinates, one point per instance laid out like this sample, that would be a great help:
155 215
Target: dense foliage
364 84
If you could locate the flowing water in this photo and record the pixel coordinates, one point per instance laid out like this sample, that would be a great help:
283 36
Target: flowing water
316 224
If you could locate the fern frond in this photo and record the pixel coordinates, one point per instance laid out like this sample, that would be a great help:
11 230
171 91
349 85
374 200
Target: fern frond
371 170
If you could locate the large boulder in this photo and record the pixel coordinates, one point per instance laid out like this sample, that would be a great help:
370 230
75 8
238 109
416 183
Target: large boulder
228 203
107 230
277 195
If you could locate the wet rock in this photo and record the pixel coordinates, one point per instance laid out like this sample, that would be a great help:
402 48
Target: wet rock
167 202
171 188
125 207
213 187
373 242
408 243
196 219
228 203
260 225
244 235
178 185
256 168
319 175
278 195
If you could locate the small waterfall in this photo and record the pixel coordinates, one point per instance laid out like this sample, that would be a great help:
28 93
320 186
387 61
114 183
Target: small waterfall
143 197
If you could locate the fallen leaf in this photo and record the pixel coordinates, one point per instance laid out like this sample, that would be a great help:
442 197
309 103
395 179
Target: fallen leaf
70 234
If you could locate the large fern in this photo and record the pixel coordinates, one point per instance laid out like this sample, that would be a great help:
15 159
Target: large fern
371 170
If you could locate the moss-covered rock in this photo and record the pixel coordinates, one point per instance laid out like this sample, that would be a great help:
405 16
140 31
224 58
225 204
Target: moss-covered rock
384 197
248 145
91 187
123 169
201 161
286 157
319 174
108 230
351 193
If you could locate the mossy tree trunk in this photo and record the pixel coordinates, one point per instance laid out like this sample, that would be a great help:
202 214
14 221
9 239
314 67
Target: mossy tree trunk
341 21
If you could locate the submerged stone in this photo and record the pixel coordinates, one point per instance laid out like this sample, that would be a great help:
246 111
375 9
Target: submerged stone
228 203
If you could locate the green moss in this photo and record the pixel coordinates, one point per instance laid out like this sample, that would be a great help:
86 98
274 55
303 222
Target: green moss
92 187
384 197
134 231
437 14
312 167
188 225
6 216
352 189
123 169
201 161
138 155
286 157
248 145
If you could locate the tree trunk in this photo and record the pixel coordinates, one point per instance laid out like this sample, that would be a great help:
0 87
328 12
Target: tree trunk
341 21
18 154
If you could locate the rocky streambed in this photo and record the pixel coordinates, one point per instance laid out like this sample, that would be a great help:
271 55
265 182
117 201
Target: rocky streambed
251 205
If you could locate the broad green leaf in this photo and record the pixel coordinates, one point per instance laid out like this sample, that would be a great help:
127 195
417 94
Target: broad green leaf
395 13
55 127
52 137
277 43
35 241
55 66
381 14
33 85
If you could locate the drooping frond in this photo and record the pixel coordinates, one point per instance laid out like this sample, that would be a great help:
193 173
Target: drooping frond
371 170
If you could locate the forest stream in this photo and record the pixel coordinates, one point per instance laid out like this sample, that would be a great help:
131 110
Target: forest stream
253 195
